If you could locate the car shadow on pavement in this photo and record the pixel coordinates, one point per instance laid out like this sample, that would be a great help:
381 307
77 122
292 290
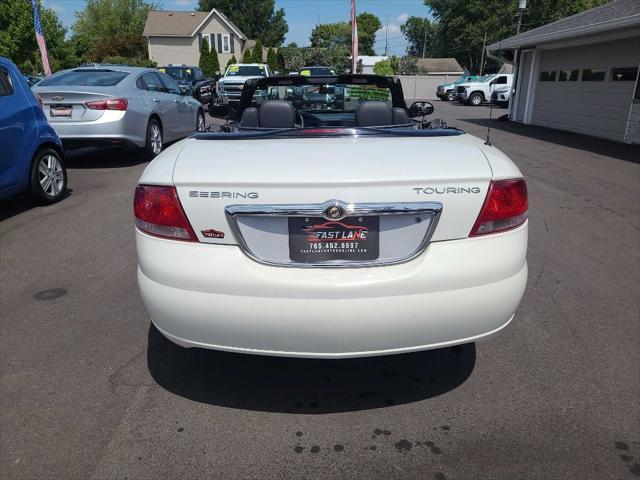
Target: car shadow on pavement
17 204
309 386
105 157
600 146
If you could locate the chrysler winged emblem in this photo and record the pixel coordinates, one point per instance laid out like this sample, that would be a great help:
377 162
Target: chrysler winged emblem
57 98
334 212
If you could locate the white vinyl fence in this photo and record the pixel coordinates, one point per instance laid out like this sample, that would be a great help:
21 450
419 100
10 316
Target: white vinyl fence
423 87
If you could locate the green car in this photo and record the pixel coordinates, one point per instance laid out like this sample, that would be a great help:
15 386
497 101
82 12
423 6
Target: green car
447 91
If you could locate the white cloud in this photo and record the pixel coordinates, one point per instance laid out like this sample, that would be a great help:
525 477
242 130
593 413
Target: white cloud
397 42
56 8
403 17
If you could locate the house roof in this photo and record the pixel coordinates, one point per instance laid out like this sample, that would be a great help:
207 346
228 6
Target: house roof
165 23
609 17
439 65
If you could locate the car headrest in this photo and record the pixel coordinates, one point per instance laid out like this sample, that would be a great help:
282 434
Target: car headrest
249 118
276 114
400 116
373 114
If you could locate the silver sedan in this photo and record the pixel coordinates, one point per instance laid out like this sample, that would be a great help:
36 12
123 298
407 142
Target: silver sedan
113 104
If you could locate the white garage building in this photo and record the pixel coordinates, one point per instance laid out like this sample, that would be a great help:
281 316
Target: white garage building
580 73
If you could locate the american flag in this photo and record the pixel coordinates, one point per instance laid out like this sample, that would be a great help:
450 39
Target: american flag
354 38
40 38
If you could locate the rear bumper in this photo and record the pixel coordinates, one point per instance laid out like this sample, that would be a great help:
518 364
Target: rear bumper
113 127
214 296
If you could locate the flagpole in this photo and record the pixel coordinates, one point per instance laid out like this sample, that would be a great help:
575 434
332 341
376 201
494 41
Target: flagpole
354 38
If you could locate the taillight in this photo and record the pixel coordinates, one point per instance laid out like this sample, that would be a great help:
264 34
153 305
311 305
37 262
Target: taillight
504 208
108 104
158 212
40 101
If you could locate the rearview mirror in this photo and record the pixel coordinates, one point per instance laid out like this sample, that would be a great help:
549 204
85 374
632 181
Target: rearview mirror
186 90
421 109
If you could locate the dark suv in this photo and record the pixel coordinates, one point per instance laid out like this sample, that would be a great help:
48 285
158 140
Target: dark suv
191 79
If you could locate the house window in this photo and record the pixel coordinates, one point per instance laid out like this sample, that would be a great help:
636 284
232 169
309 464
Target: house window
210 41
628 74
226 44
568 75
548 76
593 74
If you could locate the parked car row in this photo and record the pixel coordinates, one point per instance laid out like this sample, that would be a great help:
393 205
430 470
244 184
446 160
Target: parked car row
92 105
476 90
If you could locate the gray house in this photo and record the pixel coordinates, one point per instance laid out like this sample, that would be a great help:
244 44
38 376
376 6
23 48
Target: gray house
580 73
175 37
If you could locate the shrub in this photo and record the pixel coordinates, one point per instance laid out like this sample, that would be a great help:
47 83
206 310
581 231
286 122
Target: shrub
383 67
247 57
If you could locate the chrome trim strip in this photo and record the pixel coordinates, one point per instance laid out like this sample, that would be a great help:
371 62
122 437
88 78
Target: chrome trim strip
433 209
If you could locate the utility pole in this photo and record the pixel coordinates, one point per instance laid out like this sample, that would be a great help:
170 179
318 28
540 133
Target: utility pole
482 55
386 39
424 42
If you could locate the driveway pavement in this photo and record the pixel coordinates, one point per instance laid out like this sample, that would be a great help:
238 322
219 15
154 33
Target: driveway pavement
89 390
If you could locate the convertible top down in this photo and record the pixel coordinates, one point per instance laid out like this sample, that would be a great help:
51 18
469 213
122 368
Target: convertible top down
327 219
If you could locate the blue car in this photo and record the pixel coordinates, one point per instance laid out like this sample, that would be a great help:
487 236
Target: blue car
31 155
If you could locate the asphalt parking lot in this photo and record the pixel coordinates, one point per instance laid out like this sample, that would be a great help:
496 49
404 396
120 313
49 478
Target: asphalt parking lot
89 390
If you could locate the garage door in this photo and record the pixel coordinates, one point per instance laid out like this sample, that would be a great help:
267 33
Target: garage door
587 89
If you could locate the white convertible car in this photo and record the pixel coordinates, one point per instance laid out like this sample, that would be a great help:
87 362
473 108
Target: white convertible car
342 230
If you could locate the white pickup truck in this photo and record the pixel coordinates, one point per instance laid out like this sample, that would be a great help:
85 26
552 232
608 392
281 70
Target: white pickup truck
229 87
478 92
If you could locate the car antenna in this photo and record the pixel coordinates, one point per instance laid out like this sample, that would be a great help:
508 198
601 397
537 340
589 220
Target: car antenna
488 140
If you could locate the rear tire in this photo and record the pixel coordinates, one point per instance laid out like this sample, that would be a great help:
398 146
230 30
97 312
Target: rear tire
48 179
475 99
155 139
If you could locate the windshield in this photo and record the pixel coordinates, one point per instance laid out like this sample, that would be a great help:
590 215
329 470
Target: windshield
178 74
84 78
485 78
325 97
317 71
246 71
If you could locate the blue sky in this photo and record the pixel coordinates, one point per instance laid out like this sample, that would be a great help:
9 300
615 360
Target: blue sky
302 16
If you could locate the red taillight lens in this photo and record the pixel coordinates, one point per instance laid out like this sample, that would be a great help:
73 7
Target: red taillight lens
40 101
158 212
504 208
108 104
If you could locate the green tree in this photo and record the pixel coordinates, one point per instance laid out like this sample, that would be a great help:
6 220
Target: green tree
128 45
368 25
293 58
214 62
416 30
462 24
383 67
272 59
18 40
247 56
257 19
232 61
326 35
257 52
103 19
205 58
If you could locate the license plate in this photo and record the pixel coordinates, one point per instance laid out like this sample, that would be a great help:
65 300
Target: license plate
317 240
60 110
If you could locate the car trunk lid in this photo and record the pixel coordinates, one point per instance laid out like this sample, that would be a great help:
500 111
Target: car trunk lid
211 175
